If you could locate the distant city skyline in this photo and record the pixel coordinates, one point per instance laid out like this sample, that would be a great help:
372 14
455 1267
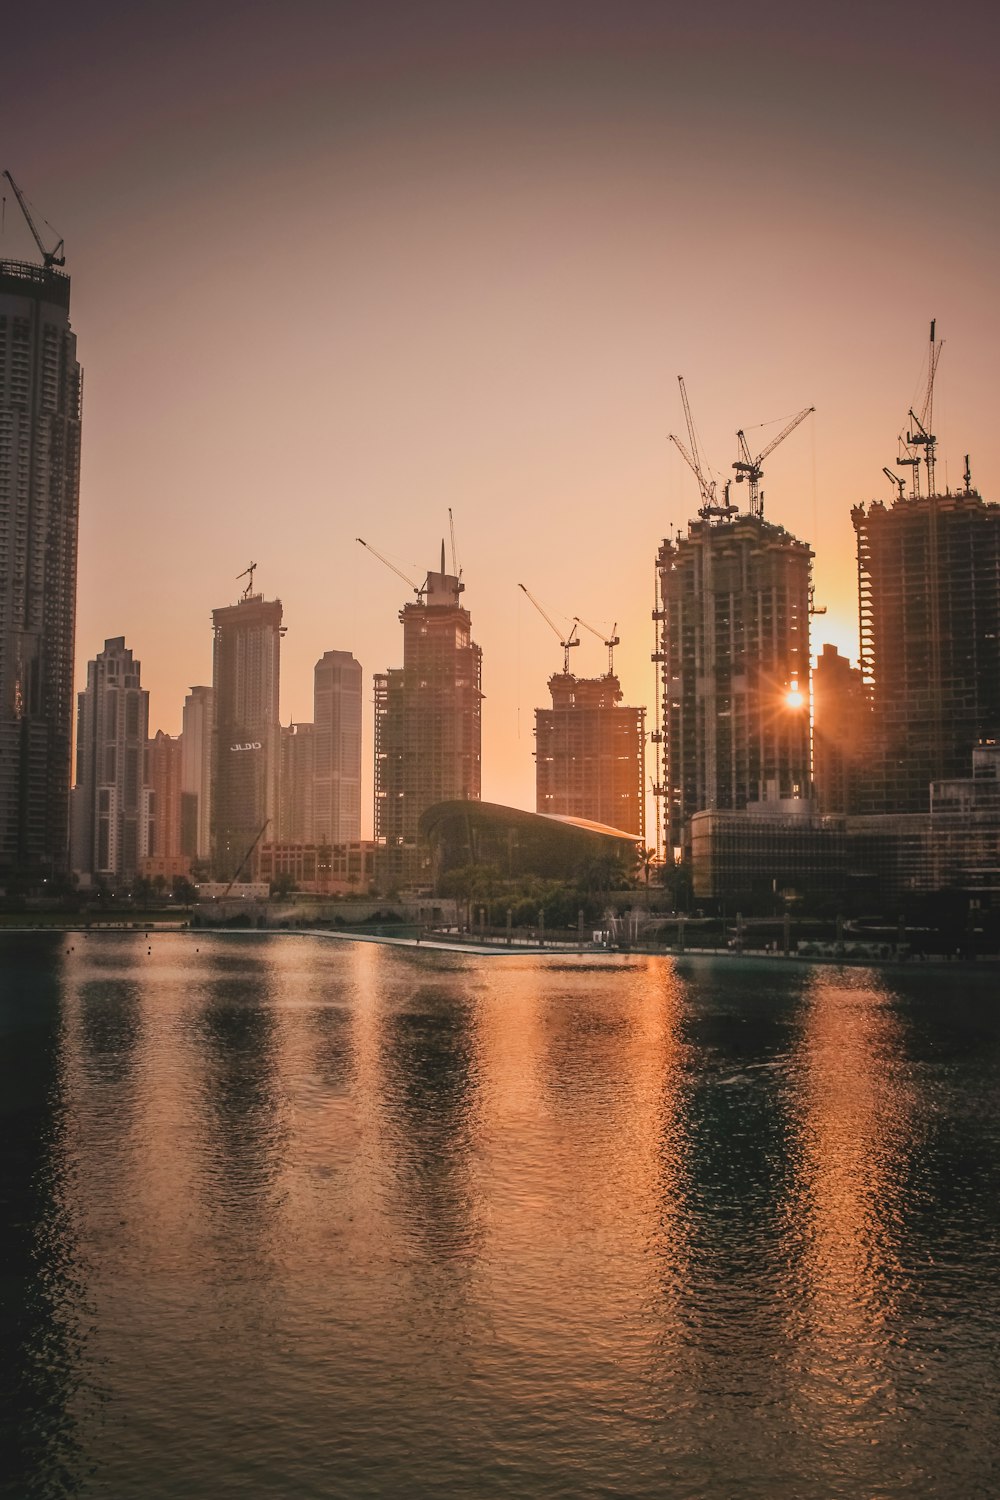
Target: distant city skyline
515 231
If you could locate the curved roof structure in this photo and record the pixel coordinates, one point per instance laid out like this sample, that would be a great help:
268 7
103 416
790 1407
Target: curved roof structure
518 842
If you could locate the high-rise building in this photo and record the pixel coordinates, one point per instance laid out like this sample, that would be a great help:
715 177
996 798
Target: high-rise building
163 767
427 725
196 775
590 753
40 403
295 791
929 595
841 734
734 655
246 728
112 725
337 774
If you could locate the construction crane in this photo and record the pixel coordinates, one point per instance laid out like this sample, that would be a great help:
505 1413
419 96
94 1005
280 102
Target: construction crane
248 575
456 570
566 644
895 478
50 258
750 468
611 642
707 487
923 437
242 863
398 571
814 608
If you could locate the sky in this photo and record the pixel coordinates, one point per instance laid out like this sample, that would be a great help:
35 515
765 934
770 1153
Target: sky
339 267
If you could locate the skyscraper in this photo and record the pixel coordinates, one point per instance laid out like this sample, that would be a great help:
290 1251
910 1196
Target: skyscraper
734 655
590 753
40 404
929 593
337 774
295 791
246 728
196 775
427 724
841 738
112 724
163 766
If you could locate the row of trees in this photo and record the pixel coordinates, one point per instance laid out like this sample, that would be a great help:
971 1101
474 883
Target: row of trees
531 898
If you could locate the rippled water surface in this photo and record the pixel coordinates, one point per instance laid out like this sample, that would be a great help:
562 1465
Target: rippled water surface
290 1217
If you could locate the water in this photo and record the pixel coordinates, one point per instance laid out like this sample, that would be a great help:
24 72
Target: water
289 1217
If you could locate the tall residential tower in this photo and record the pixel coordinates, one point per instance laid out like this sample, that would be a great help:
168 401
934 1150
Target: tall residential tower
40 402
246 729
427 724
734 655
110 749
337 751
929 591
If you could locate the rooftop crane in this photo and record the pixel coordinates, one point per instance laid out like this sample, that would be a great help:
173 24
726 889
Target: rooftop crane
613 641
709 504
750 468
398 571
454 554
248 575
923 437
566 644
52 257
895 478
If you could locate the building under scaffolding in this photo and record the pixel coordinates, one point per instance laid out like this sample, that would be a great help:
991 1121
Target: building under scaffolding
734 662
427 726
929 600
590 753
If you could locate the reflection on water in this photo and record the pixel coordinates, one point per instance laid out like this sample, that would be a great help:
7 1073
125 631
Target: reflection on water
290 1217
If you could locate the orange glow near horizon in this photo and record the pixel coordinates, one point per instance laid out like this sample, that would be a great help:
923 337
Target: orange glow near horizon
373 267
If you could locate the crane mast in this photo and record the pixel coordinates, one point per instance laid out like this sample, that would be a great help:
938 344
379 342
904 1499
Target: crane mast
566 644
50 258
923 437
248 575
611 641
750 469
707 487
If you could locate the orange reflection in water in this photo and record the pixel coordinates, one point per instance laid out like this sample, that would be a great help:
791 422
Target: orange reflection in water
582 1087
855 1117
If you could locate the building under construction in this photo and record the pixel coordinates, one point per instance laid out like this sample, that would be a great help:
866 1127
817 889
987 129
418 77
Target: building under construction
929 605
428 735
929 599
734 655
733 649
590 754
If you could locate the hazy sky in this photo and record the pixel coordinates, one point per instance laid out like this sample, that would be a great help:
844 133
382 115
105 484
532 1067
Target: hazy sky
338 267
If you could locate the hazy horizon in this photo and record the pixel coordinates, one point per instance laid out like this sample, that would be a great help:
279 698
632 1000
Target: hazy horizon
337 270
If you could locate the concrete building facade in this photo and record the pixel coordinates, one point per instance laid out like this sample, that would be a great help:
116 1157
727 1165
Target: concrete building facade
163 779
337 695
590 754
196 775
108 801
734 661
246 729
427 726
841 734
929 602
295 790
40 411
